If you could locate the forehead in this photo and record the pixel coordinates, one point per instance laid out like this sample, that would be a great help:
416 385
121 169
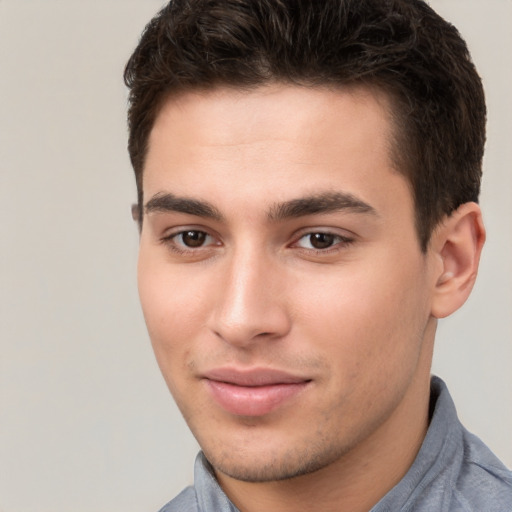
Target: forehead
277 140
225 115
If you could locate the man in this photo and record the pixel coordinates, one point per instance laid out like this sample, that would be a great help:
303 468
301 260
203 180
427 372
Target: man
308 176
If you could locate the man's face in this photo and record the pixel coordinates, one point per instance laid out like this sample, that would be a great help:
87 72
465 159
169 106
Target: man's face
280 275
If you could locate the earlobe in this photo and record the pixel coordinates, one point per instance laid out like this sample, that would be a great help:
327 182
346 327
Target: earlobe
458 243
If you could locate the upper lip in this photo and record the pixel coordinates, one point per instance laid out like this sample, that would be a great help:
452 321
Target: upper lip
253 376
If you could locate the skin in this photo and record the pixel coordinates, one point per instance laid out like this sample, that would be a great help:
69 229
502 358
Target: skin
353 317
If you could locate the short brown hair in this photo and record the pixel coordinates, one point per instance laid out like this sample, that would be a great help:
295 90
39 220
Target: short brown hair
400 46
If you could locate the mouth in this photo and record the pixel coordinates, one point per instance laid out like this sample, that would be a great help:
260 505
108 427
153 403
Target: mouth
256 392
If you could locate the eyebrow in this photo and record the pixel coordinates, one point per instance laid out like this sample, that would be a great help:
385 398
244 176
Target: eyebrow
326 202
166 202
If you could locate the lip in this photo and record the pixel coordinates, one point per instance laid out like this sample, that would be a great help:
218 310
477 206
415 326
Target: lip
253 392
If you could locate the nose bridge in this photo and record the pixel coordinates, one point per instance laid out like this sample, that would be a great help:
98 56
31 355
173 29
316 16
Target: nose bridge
250 303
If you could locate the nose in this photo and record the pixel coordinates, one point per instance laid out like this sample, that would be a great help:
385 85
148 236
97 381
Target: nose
251 303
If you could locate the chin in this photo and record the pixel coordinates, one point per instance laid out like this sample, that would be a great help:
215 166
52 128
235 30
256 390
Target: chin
270 467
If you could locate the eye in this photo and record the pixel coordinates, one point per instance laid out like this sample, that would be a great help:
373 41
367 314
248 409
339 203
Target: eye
189 244
317 240
191 239
321 241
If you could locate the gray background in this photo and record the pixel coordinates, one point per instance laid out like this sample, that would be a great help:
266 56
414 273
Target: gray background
86 422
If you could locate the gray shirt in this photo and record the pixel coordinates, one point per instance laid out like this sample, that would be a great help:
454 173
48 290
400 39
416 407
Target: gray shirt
453 471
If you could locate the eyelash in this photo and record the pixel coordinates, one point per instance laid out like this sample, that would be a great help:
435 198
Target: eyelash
169 241
340 242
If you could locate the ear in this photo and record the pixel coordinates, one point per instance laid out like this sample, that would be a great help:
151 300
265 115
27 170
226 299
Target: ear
458 243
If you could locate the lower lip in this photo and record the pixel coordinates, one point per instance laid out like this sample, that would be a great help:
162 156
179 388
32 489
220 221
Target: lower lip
253 400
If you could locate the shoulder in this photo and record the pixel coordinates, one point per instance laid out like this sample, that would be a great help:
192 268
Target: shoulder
185 502
454 470
483 482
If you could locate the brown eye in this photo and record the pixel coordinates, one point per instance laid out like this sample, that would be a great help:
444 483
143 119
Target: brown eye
193 238
321 240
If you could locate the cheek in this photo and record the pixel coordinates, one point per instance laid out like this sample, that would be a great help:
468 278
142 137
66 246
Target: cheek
172 313
368 319
370 336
